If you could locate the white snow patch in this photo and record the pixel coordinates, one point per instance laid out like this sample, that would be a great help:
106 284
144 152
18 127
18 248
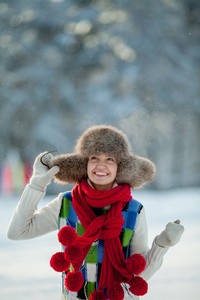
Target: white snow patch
24 265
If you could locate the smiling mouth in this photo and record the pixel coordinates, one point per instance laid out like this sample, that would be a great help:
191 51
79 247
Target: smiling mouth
100 173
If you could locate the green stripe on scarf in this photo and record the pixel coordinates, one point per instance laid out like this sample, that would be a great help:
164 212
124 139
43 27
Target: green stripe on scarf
64 212
127 234
80 229
92 255
90 288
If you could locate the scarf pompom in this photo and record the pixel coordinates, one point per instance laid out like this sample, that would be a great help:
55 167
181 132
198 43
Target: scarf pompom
74 281
115 291
59 263
73 253
67 235
138 286
98 295
136 264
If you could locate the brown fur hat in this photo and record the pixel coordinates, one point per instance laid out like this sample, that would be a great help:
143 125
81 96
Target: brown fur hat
132 169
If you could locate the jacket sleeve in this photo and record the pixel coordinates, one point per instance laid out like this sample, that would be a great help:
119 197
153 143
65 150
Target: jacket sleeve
27 222
139 244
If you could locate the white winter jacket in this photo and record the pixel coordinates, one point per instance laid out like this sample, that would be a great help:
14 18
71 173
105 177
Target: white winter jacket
27 222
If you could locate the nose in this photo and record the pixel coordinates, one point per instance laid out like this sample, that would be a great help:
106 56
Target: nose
100 163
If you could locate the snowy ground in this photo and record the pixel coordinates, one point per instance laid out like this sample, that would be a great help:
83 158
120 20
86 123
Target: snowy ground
24 265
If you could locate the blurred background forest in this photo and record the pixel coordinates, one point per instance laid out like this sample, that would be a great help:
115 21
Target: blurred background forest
68 64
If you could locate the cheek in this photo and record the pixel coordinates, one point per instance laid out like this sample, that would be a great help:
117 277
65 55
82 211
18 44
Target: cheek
114 171
89 168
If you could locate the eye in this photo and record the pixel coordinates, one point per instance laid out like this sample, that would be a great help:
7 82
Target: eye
93 158
110 159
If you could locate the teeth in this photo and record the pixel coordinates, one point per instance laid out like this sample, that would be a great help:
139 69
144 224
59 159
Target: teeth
99 173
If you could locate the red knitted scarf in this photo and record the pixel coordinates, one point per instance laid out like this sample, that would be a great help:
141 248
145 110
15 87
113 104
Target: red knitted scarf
106 227
115 269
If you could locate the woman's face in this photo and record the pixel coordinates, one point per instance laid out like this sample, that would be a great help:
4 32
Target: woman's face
102 171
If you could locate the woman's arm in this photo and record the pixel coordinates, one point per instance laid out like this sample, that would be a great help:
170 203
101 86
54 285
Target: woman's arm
27 222
139 244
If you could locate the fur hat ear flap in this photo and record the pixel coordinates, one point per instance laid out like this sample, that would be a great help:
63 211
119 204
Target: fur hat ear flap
135 171
73 168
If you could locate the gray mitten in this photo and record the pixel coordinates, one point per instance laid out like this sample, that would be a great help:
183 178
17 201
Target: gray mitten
171 235
42 175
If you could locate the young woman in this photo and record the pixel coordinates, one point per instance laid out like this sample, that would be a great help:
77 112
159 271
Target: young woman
102 230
